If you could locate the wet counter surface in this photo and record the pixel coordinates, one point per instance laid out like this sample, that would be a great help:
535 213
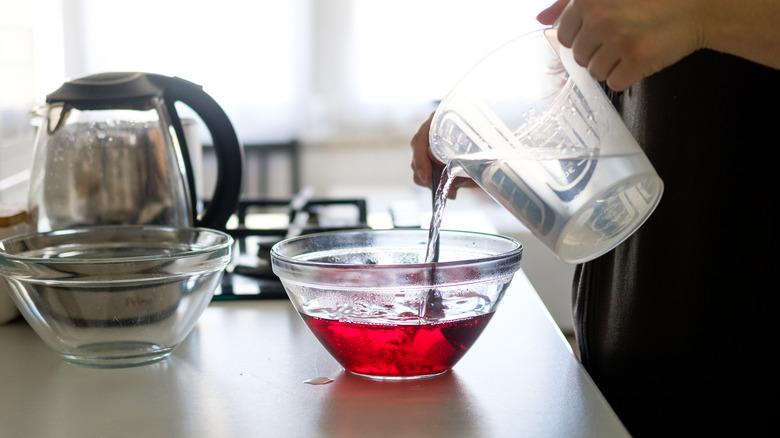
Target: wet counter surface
242 373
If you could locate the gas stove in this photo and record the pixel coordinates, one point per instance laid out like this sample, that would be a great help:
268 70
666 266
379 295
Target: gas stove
261 222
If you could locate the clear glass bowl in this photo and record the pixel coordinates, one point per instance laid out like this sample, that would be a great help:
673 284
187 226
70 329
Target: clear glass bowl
382 312
114 296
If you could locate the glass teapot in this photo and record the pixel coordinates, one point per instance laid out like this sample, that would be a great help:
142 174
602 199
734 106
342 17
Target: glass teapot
110 149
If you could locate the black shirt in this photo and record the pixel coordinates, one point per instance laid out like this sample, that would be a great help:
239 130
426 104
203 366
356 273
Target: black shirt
676 325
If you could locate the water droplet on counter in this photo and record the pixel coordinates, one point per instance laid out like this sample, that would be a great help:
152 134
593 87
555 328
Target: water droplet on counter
318 381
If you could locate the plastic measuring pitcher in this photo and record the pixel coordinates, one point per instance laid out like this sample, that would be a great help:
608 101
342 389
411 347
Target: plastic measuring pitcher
540 136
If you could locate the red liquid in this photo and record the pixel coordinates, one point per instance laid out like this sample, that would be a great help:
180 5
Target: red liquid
388 350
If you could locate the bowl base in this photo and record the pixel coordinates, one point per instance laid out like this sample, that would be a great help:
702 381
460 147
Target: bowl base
116 354
398 378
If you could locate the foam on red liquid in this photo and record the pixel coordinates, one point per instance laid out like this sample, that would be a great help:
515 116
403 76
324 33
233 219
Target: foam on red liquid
394 350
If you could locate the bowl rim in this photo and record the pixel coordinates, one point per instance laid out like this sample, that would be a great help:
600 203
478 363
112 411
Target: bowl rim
276 256
227 241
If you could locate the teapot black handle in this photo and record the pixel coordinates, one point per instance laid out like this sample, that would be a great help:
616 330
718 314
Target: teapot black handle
229 152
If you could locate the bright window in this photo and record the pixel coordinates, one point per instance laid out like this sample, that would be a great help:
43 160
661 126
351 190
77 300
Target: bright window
299 68
30 62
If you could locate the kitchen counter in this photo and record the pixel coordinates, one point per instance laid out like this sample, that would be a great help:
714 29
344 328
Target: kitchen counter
242 373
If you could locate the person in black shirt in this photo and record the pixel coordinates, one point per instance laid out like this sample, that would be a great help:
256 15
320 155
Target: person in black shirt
676 325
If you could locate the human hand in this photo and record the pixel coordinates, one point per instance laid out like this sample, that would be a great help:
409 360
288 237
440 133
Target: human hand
621 41
423 159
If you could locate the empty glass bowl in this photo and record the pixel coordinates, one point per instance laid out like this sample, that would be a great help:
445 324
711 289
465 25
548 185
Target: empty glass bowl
382 312
114 296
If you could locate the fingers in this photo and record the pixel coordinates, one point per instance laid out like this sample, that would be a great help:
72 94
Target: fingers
550 15
621 64
590 45
622 42
460 182
625 74
421 160
569 24
601 63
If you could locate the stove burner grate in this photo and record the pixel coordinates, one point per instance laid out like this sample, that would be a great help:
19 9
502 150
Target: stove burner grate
249 276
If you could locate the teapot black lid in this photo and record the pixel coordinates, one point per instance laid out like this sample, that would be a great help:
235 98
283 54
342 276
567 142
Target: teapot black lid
106 87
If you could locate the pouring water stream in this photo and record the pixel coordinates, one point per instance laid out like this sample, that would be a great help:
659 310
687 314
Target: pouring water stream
440 187
438 199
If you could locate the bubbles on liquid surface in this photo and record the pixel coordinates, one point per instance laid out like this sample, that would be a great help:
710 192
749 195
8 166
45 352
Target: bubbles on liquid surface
403 309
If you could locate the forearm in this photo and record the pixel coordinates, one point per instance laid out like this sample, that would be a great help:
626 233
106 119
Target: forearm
749 29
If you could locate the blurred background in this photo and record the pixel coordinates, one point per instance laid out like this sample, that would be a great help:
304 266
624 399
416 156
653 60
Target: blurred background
324 93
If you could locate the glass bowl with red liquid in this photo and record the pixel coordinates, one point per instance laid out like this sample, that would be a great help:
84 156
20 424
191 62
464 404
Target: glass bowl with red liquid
380 310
